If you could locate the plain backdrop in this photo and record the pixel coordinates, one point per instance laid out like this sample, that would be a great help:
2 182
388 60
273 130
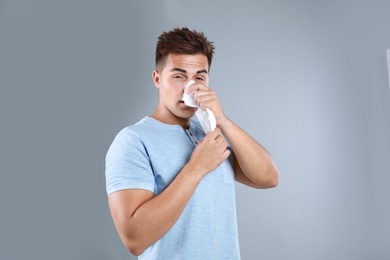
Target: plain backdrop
307 79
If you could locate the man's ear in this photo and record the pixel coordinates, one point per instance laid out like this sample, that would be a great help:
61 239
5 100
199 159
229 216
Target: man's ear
156 78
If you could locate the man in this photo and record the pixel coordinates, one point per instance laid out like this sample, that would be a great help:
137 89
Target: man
170 185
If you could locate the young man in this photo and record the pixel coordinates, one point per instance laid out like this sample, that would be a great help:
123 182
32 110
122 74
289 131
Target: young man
170 185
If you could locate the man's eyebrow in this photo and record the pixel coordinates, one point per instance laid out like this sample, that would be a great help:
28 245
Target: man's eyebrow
180 70
201 71
184 71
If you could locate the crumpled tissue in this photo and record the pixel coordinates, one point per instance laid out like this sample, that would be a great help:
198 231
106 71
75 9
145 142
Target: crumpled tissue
206 117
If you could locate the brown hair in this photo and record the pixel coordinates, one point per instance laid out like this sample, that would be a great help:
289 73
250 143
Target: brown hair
183 41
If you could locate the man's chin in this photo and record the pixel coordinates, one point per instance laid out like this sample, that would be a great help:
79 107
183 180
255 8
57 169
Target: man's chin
186 114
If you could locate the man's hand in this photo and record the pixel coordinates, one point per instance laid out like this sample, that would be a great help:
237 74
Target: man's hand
207 98
209 153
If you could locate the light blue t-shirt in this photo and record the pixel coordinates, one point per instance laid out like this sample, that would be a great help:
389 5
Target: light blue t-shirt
148 155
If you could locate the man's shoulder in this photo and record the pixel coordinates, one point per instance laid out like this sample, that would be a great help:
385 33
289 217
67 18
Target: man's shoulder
138 127
133 131
149 128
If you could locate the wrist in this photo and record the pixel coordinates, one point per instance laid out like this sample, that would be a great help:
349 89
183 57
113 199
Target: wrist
224 124
192 171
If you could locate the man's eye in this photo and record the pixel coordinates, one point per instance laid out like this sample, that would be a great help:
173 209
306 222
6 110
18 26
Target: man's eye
199 79
178 77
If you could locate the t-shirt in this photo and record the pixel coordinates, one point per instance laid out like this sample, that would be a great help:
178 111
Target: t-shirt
148 155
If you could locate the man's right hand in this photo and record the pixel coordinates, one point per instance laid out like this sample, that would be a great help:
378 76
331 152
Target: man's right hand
210 152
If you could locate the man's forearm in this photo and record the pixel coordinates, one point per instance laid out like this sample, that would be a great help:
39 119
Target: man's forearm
254 160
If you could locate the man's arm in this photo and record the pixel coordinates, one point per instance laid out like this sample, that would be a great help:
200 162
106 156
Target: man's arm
253 165
142 218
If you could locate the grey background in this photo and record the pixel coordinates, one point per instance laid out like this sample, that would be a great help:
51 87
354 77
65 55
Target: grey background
307 79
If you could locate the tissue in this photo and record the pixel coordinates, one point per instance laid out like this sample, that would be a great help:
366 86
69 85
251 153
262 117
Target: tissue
206 117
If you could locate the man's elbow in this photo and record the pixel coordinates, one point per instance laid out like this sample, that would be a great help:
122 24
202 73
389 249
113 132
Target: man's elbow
274 179
135 251
270 181
134 244
134 247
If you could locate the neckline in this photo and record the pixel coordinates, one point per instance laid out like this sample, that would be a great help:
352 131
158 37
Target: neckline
168 126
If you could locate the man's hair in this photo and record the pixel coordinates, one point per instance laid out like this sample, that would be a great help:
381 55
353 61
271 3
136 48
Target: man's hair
183 41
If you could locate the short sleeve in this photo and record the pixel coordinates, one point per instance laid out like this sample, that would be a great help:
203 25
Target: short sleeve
127 164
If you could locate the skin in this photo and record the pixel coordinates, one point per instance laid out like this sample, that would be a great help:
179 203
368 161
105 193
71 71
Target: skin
142 218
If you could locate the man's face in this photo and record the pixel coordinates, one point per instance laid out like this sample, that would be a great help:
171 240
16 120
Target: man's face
171 81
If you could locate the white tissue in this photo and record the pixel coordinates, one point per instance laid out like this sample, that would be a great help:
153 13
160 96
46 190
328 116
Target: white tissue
206 117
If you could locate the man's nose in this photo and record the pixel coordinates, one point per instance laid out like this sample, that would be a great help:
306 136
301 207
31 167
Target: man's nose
189 83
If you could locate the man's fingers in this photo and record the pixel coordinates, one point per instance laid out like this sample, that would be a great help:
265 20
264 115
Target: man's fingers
216 132
226 153
196 87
